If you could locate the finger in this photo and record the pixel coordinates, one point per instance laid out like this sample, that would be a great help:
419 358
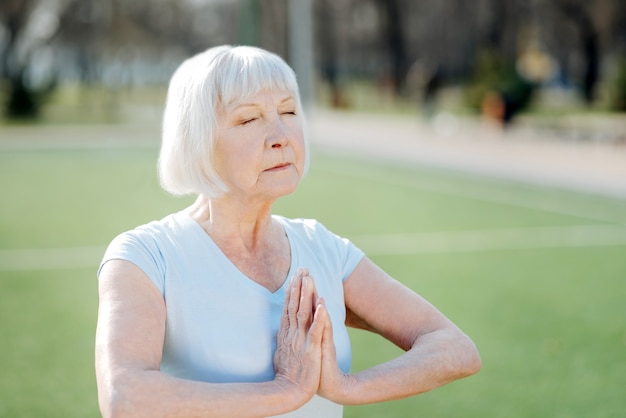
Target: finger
291 291
320 322
311 294
332 379
315 299
305 309
329 352
292 304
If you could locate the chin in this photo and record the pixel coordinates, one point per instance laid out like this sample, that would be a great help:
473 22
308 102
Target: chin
287 191
284 190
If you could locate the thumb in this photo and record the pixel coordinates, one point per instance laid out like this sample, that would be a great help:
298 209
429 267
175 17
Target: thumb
320 323
328 343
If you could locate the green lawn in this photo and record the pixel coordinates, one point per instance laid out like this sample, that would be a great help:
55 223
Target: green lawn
545 303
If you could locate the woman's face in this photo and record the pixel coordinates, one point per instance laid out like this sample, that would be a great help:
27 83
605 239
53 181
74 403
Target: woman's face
260 151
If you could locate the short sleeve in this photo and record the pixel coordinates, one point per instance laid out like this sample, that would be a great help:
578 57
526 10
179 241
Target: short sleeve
338 254
141 249
349 254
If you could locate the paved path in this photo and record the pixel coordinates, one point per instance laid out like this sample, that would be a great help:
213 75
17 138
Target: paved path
594 164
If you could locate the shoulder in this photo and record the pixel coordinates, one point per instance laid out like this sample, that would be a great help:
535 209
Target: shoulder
151 244
308 229
162 230
309 236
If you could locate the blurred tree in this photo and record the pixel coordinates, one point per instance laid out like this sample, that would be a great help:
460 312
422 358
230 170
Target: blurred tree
29 27
328 51
579 14
121 43
618 88
395 41
497 90
274 27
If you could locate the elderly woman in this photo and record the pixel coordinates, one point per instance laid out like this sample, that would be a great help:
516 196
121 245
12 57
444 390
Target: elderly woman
226 310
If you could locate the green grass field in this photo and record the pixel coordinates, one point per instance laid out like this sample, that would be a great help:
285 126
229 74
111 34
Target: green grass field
537 277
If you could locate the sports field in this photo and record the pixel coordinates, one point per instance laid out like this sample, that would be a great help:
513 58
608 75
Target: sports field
536 276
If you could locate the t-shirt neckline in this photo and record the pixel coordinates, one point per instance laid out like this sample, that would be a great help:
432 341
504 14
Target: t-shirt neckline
238 273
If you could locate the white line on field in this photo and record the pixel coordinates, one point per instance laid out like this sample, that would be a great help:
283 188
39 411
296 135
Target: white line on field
492 240
376 244
499 195
50 258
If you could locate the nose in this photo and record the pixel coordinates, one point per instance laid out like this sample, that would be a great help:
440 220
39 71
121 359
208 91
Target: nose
278 136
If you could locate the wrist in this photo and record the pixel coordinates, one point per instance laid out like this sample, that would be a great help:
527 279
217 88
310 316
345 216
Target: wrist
343 392
290 395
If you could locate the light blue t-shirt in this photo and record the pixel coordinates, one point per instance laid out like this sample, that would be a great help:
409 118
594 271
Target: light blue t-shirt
221 326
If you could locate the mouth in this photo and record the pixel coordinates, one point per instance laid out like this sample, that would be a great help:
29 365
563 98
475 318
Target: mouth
279 167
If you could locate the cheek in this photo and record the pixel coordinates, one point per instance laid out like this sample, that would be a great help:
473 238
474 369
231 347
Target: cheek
243 161
298 143
301 154
231 159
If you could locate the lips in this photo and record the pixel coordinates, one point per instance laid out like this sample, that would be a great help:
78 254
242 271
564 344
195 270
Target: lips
278 167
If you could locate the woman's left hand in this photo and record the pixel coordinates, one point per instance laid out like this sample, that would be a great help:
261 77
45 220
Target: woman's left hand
334 383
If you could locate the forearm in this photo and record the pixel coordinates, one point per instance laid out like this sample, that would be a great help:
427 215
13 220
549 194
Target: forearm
435 359
127 362
155 394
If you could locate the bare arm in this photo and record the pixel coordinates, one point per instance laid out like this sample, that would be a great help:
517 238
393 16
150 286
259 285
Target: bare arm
129 343
437 351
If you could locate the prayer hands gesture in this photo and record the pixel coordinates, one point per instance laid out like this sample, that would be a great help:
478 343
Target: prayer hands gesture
305 360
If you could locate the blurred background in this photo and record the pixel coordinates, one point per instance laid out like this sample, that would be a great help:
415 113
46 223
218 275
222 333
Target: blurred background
476 150
486 57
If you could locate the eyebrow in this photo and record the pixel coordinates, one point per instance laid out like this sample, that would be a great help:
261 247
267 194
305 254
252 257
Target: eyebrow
253 104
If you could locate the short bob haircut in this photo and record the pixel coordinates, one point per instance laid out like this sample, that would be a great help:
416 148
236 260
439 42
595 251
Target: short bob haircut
202 86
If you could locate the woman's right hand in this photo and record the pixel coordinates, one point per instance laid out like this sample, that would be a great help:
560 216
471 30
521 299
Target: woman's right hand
298 356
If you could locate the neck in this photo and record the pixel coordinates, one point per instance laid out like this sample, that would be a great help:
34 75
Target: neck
233 222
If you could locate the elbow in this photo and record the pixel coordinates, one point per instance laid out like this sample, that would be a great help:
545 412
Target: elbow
470 362
115 404
118 399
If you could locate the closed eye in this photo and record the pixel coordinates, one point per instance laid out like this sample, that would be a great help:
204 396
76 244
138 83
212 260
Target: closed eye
247 121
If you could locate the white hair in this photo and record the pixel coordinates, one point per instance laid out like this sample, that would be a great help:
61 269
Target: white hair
202 86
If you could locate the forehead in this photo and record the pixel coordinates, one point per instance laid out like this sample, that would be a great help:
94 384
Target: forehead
262 98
